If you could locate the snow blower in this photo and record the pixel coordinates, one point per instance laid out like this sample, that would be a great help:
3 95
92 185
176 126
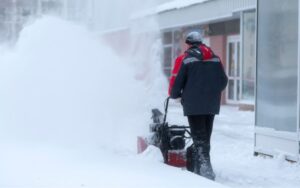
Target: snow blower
172 140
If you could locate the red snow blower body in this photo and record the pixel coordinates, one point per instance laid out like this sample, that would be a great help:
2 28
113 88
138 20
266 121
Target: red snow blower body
170 139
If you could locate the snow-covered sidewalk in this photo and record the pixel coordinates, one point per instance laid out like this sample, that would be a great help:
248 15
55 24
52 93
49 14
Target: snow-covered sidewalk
54 167
34 165
232 153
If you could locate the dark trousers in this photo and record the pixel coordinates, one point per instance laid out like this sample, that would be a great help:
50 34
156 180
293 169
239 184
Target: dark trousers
201 128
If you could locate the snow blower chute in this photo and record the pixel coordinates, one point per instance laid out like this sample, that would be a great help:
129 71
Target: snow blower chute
171 139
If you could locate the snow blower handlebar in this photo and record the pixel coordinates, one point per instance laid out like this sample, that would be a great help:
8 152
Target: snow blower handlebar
166 109
165 117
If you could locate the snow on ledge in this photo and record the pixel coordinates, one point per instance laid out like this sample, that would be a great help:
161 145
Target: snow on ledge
175 4
178 4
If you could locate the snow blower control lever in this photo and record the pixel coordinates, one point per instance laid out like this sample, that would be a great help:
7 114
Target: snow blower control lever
170 139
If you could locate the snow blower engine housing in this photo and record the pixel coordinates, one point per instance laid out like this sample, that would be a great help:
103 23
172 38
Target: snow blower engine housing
171 139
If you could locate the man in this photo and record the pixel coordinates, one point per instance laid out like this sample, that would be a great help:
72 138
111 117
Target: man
199 84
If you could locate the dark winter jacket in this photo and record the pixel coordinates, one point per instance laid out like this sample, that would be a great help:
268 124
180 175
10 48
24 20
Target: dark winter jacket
206 52
199 83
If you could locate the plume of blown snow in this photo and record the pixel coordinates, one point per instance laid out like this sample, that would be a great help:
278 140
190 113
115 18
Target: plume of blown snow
62 86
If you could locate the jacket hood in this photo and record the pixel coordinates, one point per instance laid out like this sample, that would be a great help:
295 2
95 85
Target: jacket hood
200 52
195 51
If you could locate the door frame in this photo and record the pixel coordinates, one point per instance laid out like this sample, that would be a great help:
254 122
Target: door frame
234 39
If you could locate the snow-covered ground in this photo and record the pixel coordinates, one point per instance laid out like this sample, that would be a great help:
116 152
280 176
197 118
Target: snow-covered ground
232 153
37 165
43 166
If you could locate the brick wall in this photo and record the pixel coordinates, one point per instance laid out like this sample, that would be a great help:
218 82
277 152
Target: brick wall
218 45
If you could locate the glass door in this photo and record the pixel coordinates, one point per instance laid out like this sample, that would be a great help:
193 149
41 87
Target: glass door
233 93
278 81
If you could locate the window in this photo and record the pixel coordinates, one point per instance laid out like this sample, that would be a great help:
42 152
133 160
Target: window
248 67
167 56
277 65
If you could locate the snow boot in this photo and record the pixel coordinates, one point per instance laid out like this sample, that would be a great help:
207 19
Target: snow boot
206 169
202 164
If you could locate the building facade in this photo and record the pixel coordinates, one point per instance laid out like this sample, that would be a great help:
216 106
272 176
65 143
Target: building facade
229 29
